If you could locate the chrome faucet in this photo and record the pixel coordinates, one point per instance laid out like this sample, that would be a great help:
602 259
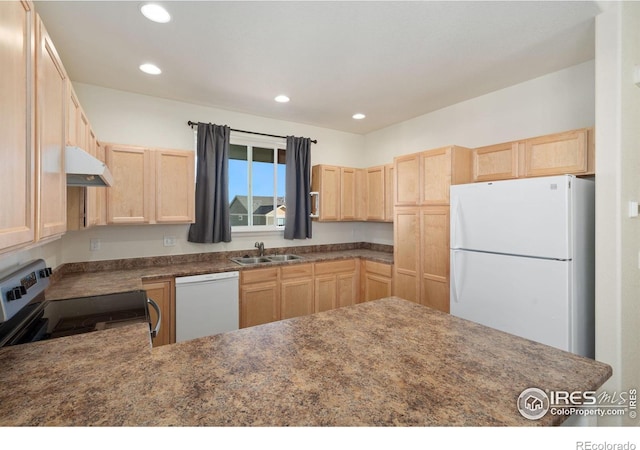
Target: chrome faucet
260 247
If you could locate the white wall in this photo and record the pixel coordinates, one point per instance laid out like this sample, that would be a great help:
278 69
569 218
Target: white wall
555 102
618 168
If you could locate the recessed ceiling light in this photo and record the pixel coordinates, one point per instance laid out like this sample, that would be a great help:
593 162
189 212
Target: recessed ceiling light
156 13
358 116
151 69
282 99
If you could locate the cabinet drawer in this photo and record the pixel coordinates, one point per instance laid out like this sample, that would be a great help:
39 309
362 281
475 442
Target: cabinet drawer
296 271
347 265
258 275
378 268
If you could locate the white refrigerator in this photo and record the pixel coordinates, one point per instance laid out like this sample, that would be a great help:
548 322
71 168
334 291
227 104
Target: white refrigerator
522 258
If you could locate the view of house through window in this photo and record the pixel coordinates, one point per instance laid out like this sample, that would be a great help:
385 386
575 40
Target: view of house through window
256 186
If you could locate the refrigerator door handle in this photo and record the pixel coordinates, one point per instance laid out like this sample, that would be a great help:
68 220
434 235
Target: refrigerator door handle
454 278
455 208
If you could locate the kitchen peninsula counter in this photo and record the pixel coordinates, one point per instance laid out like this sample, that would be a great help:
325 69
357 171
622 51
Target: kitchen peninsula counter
388 362
109 277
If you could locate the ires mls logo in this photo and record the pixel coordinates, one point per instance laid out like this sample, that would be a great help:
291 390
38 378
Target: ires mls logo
534 403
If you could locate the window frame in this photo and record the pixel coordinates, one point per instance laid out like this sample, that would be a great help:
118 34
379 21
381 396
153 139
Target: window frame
250 141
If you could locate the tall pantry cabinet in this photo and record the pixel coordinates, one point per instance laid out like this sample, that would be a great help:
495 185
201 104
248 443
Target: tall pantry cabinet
32 133
421 225
17 152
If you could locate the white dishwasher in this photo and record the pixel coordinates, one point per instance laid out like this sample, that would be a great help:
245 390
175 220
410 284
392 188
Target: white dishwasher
206 305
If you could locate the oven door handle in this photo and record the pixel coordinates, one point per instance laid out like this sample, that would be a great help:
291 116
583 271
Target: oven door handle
155 306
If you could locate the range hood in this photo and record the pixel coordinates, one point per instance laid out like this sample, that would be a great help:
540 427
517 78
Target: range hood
84 169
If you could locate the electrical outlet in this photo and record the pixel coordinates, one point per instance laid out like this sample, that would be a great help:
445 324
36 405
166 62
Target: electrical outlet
169 241
94 245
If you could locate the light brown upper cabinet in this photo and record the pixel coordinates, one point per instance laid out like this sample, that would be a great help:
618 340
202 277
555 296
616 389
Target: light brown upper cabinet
570 152
348 187
150 185
51 102
174 186
496 162
375 185
440 168
349 194
407 177
17 151
424 178
326 180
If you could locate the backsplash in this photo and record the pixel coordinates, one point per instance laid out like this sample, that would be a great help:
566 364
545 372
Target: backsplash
138 263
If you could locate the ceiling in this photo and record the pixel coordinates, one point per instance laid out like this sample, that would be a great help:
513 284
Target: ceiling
389 60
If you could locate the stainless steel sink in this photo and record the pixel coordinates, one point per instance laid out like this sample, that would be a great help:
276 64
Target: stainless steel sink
245 260
281 258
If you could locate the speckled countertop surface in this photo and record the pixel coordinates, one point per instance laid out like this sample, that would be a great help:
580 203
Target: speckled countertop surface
105 279
388 362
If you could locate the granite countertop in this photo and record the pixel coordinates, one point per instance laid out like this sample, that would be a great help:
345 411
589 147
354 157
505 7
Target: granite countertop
107 278
388 362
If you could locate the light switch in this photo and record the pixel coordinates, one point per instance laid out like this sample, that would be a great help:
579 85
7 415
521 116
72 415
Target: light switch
633 209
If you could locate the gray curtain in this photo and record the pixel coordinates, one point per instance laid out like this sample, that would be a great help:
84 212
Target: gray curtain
212 186
298 185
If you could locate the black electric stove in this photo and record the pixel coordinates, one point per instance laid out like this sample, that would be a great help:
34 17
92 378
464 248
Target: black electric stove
26 316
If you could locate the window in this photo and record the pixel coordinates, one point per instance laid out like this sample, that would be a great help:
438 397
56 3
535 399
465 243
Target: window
256 184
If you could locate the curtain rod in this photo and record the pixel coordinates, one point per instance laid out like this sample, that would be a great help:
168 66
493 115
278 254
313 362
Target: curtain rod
192 124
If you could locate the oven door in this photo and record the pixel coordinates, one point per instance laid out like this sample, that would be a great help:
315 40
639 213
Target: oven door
87 314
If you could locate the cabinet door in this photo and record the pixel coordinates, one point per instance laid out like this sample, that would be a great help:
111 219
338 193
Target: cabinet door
51 102
407 177
348 188
435 257
436 176
389 187
495 162
375 287
376 280
406 253
348 289
162 292
73 115
16 143
325 292
130 198
326 181
296 297
259 303
175 186
375 193
557 154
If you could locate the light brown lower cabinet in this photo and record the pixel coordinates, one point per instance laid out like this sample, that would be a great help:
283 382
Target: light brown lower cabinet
375 280
276 293
336 284
296 290
259 297
421 255
163 293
